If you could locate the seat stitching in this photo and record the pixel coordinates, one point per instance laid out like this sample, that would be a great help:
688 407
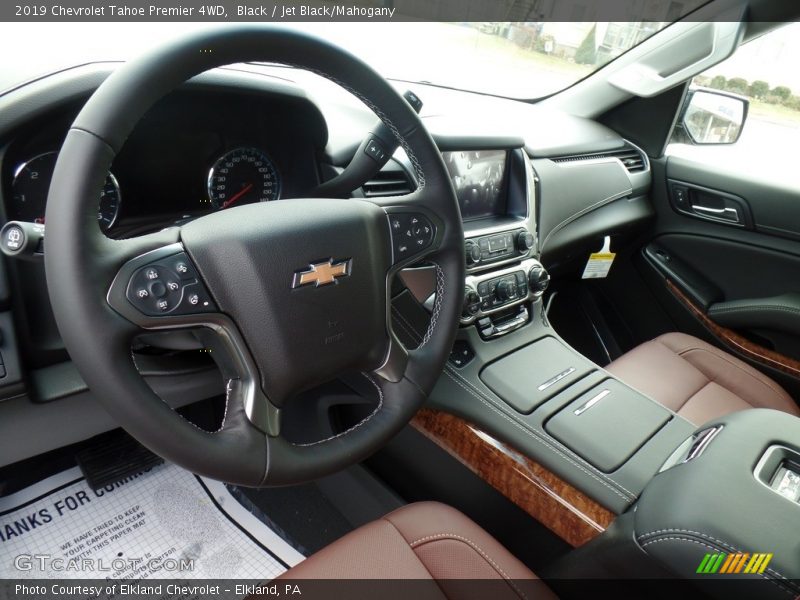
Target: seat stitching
788 587
724 545
704 386
722 357
474 546
695 392
419 560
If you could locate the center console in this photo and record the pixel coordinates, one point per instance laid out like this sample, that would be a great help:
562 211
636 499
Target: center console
512 377
496 191
731 492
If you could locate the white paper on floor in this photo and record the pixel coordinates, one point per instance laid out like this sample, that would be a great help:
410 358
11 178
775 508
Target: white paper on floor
137 530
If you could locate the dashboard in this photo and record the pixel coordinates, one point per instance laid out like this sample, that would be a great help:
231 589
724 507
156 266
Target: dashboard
194 153
234 136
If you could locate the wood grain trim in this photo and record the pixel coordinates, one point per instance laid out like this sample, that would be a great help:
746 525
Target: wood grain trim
564 510
736 342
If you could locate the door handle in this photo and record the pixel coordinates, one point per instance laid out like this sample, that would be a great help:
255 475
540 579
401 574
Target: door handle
726 214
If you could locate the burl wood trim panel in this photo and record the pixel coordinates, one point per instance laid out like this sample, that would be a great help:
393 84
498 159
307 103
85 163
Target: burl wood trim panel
564 510
737 342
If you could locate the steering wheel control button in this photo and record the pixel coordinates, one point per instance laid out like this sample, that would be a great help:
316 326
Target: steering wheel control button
169 286
183 269
14 238
21 239
411 233
158 289
195 300
374 149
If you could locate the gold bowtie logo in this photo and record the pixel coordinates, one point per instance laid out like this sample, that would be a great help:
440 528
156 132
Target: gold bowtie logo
323 273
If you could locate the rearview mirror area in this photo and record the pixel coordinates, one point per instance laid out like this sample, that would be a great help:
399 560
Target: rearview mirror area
713 117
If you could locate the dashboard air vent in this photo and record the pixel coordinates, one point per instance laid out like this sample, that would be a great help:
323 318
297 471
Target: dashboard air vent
631 158
387 183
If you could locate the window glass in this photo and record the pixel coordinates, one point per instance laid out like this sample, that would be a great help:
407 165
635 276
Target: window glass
766 71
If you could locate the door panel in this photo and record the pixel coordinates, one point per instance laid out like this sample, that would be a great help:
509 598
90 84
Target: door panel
737 283
774 200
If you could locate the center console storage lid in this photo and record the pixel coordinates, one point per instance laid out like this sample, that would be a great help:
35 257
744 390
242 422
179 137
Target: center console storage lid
608 424
531 375
728 498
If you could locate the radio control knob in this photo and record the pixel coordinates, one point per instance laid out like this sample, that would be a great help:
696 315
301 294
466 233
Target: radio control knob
506 289
473 253
524 241
538 279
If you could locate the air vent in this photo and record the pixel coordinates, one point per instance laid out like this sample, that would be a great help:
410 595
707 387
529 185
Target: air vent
387 183
631 158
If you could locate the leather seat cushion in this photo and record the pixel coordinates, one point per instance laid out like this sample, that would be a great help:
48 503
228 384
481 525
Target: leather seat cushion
697 380
424 541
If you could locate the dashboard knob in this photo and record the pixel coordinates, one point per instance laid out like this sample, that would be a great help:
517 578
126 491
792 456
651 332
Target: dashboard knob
473 253
506 289
472 302
538 279
524 241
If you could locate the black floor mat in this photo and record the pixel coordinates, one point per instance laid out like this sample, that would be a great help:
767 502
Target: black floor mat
302 515
311 516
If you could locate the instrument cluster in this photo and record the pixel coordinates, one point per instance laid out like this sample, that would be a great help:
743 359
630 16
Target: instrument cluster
194 153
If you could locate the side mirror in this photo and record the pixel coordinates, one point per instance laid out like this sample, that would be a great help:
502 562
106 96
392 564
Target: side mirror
714 117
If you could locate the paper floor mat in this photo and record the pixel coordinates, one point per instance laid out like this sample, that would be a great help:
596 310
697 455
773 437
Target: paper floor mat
151 526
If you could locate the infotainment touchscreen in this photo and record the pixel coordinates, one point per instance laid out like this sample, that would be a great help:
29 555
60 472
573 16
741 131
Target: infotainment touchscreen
479 180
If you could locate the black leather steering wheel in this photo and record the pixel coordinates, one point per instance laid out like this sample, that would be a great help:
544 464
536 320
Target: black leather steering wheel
288 293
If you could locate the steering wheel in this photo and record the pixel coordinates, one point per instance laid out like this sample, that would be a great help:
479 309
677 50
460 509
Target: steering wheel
288 294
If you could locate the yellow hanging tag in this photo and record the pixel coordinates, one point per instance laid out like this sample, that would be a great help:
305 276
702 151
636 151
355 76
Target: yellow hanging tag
599 263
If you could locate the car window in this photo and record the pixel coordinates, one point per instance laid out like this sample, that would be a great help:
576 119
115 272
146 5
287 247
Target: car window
765 71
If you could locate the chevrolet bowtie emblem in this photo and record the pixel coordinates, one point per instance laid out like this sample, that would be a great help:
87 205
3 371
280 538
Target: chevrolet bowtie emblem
323 273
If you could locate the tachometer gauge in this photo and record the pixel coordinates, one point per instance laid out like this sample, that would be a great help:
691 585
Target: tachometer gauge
32 183
108 209
242 176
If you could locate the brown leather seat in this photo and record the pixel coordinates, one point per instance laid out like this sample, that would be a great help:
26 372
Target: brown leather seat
425 541
697 380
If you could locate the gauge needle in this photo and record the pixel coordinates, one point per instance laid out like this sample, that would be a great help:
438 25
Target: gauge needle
237 195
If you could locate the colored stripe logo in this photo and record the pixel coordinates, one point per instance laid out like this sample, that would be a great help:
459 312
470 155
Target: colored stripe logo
741 562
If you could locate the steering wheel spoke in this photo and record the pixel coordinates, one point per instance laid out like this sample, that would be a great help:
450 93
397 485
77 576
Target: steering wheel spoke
162 289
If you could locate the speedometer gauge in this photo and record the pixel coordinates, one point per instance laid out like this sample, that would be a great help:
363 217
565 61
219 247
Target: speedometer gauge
32 183
242 176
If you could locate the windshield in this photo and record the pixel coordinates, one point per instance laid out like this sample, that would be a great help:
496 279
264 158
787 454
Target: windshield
518 60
